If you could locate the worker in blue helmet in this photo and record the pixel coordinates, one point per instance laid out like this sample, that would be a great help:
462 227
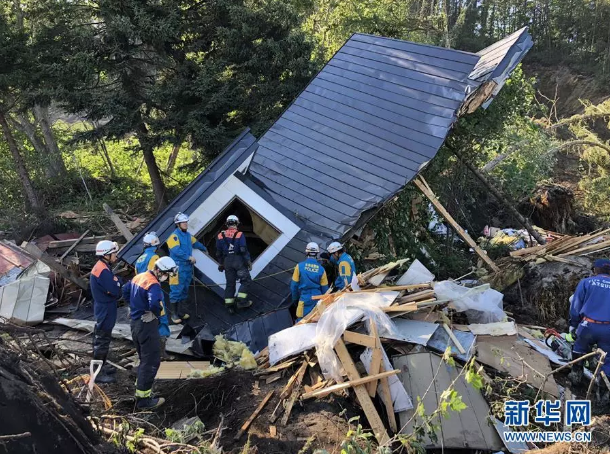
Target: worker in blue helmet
346 269
309 279
181 244
590 317
146 262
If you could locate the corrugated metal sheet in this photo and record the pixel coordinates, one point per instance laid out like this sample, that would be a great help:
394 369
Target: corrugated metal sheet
13 261
361 129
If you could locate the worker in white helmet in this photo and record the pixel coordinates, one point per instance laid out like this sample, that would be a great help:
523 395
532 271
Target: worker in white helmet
345 264
309 279
146 262
234 258
145 298
181 244
106 291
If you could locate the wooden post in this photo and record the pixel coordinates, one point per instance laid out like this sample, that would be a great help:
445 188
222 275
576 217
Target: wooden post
376 359
33 250
423 187
363 396
118 223
71 248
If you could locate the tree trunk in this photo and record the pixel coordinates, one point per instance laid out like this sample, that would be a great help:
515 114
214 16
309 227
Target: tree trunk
23 125
41 113
171 162
151 164
28 189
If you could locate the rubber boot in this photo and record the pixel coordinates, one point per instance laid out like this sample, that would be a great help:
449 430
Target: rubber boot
173 308
149 403
230 305
164 355
577 373
185 315
105 377
243 303
108 369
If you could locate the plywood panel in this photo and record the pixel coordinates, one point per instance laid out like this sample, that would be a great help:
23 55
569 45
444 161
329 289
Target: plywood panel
172 370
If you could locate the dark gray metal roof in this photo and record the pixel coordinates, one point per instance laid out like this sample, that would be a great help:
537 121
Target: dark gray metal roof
500 59
361 129
194 194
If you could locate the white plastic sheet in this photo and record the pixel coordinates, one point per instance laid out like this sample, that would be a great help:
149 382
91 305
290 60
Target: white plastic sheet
481 304
347 310
291 341
416 274
400 398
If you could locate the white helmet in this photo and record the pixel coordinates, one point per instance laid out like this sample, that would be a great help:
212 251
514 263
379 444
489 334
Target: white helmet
106 247
180 218
152 239
232 220
312 248
166 265
334 247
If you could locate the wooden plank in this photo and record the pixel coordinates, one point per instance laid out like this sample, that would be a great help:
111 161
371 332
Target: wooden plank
274 377
376 360
386 398
295 393
426 294
363 396
58 268
541 248
273 431
458 229
71 248
591 247
359 339
60 244
293 381
276 368
254 415
348 384
392 288
172 370
118 223
454 339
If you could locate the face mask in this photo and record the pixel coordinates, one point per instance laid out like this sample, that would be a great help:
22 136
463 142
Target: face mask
163 278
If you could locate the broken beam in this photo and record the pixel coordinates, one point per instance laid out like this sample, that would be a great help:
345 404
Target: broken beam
423 187
253 415
51 263
118 223
349 384
65 254
359 339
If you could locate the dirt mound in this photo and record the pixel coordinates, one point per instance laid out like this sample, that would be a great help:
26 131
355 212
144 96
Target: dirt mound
33 401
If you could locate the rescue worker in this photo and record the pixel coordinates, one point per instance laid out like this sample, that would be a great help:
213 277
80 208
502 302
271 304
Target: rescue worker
234 258
146 262
331 270
181 244
590 317
145 298
346 269
106 291
309 279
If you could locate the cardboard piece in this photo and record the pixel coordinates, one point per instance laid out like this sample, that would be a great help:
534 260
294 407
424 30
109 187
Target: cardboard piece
510 355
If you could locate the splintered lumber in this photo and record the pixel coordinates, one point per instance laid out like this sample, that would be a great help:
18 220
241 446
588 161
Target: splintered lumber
359 339
65 254
58 268
454 339
426 294
118 223
363 396
349 384
276 368
376 360
254 415
386 398
392 288
590 248
296 391
541 248
423 187
293 381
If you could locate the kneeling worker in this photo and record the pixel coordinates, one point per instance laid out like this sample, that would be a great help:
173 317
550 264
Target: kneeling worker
590 317
145 299
309 279
234 258
345 265
146 262
106 291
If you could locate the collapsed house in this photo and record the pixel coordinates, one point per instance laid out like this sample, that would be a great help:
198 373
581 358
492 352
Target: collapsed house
362 129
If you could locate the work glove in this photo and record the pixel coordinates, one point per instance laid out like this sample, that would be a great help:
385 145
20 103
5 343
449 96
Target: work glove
300 309
249 265
221 268
193 260
148 317
571 336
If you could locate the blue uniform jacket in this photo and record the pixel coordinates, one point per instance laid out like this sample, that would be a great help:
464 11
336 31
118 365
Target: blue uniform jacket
309 278
144 294
347 270
231 242
105 286
146 261
181 246
591 299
